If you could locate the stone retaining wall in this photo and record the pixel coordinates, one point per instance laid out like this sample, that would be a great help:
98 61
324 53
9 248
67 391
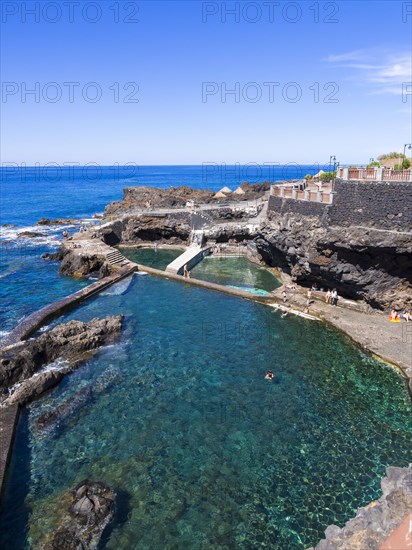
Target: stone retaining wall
294 206
385 205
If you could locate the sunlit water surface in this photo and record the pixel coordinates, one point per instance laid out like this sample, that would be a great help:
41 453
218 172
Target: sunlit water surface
159 258
236 271
202 451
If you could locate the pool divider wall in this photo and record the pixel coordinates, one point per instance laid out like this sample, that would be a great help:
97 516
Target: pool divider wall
8 422
37 319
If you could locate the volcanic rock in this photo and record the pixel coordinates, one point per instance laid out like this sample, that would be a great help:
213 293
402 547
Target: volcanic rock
58 221
29 234
88 509
73 342
375 522
372 265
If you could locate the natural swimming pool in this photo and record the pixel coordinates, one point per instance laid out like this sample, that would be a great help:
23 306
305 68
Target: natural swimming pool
229 270
236 271
203 452
158 258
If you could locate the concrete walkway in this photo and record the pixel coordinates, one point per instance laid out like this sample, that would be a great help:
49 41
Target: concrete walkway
8 421
190 257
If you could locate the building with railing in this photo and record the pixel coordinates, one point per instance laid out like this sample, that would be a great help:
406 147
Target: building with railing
312 193
375 173
376 197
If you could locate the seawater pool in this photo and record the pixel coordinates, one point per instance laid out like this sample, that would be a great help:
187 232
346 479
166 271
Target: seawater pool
202 451
236 271
158 258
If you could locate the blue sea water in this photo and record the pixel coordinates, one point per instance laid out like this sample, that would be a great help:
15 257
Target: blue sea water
201 450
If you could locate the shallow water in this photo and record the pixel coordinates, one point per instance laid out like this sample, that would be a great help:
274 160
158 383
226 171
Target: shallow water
205 453
235 271
158 258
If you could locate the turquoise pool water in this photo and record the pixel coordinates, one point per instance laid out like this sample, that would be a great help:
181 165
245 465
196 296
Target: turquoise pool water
203 452
235 271
158 258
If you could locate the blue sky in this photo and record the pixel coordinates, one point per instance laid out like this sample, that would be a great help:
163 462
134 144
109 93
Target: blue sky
311 79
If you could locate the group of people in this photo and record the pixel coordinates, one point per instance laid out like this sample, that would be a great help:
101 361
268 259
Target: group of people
332 297
396 316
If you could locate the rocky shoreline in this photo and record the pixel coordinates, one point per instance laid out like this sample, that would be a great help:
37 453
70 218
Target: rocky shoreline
21 376
362 263
373 524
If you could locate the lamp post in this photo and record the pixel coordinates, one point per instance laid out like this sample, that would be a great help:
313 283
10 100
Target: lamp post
332 157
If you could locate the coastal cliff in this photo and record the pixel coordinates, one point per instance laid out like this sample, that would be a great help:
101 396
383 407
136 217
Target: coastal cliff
362 264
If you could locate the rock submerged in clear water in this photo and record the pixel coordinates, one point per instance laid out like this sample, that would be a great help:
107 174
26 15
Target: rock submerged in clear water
86 511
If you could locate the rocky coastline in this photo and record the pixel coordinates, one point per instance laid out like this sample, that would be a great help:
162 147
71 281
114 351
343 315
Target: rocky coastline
149 197
21 376
370 265
365 264
373 524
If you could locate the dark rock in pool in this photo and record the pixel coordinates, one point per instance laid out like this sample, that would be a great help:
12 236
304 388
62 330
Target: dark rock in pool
76 265
58 221
29 234
88 509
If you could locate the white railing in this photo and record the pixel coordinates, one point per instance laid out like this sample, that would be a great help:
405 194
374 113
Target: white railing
374 174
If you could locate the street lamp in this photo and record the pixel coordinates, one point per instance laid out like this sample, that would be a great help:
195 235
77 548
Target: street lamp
332 157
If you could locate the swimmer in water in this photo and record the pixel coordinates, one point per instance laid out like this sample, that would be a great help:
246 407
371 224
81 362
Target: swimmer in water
269 375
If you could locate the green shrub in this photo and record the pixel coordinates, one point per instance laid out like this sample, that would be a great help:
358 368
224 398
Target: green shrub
327 176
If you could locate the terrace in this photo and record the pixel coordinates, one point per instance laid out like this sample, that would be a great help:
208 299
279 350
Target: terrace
312 192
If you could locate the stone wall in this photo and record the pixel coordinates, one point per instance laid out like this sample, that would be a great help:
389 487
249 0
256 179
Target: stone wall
385 205
305 208
380 204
